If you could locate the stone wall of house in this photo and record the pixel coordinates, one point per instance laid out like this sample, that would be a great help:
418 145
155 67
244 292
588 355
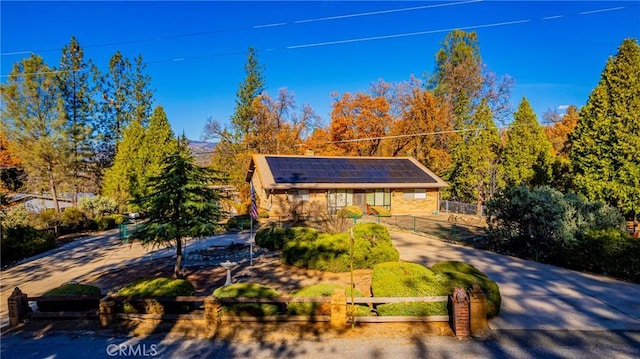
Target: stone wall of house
279 206
400 205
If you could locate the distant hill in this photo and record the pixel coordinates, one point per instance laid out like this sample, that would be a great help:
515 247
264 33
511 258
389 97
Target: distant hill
202 151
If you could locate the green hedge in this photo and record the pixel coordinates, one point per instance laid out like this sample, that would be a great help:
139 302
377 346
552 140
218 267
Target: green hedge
71 289
324 290
249 290
157 287
605 251
330 252
402 279
24 241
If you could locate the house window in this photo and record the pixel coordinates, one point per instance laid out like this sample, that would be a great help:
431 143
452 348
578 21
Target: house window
339 198
379 198
417 193
301 195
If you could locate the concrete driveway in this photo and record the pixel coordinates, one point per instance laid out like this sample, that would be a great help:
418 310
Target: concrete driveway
84 257
537 296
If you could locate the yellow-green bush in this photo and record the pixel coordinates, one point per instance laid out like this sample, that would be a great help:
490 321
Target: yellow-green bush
350 212
379 211
249 290
157 287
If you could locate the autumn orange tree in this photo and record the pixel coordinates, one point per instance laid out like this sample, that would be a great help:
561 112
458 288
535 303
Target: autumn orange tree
560 129
358 123
424 131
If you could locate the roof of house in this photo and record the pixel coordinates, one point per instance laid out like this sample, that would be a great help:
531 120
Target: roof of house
315 172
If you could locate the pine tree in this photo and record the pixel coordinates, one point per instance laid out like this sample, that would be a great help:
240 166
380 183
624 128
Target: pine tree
249 90
605 145
77 95
159 142
33 120
527 153
476 172
181 203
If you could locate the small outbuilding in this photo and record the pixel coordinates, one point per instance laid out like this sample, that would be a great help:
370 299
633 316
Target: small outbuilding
313 185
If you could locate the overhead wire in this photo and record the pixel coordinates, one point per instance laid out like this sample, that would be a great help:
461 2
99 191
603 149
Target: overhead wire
362 39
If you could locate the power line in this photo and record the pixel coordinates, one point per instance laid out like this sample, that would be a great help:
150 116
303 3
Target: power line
212 32
381 37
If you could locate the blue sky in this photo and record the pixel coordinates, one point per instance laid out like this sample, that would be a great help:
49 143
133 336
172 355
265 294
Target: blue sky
196 51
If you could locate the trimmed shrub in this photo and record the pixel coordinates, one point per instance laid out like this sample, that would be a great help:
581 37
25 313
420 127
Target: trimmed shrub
403 279
109 221
17 216
71 290
24 241
274 238
330 252
379 211
414 280
350 212
249 290
324 290
157 287
464 275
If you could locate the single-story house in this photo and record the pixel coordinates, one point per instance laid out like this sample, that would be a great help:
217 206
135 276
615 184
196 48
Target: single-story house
36 203
401 185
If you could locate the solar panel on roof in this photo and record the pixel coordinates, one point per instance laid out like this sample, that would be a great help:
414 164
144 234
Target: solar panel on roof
346 170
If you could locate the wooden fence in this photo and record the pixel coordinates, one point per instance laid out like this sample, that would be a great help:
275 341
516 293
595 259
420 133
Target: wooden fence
467 310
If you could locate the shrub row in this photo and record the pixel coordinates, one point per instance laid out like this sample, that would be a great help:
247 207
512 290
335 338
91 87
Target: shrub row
249 290
324 290
330 252
24 241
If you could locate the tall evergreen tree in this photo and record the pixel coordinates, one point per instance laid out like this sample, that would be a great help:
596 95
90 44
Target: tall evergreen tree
77 95
125 97
476 171
122 178
527 153
181 204
32 118
249 90
159 142
605 145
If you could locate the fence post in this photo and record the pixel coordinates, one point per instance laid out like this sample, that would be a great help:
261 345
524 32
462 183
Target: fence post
460 312
338 309
107 311
212 315
18 307
478 310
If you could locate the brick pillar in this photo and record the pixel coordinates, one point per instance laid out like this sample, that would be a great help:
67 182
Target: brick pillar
18 307
460 312
212 314
107 311
338 309
478 310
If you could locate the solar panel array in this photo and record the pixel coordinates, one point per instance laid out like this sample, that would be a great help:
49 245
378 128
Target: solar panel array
346 170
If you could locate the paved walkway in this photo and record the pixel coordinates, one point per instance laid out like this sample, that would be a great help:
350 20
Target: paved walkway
83 258
537 296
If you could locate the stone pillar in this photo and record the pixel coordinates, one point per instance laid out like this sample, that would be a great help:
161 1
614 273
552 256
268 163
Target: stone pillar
478 310
460 312
338 309
212 314
107 312
18 307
